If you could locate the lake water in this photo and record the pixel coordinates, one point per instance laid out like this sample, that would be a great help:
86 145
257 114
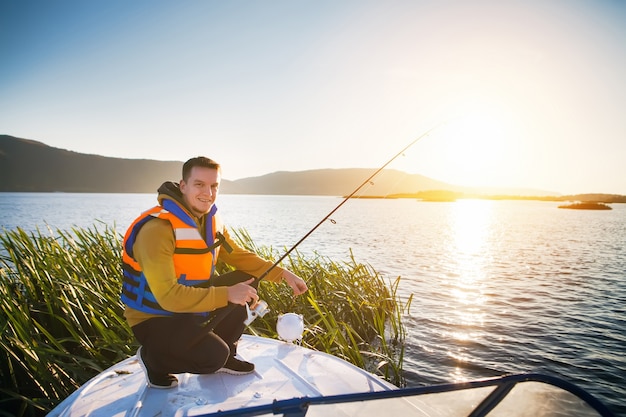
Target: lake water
498 286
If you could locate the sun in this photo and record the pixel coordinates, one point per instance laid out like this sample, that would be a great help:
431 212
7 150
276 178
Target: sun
474 147
477 143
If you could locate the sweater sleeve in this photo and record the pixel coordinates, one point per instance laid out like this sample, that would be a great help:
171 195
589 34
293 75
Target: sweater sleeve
154 249
247 261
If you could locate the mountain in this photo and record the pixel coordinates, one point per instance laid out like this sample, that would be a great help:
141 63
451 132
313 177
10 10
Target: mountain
28 165
31 166
337 182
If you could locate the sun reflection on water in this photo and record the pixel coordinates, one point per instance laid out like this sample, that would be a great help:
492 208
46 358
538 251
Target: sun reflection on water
470 226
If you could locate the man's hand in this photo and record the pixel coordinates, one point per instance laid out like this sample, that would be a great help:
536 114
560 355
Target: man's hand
296 283
243 293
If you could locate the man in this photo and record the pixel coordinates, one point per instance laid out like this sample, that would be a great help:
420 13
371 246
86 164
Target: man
170 288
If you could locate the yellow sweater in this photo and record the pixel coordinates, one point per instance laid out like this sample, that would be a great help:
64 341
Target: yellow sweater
153 250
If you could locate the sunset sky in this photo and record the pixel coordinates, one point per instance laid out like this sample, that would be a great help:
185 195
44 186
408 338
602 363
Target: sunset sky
524 93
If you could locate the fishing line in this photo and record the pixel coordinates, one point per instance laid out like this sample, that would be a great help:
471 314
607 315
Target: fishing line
214 319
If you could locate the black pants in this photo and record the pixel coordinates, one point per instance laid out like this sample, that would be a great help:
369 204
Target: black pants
180 343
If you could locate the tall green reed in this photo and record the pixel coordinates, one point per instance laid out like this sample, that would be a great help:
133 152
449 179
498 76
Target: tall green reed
62 321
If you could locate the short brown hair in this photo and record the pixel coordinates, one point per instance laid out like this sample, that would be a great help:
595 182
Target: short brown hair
199 161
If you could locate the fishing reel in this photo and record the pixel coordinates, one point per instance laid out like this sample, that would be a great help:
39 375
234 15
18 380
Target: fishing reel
290 326
259 310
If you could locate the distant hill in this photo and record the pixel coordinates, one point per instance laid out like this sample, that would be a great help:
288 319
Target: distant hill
28 165
336 182
31 166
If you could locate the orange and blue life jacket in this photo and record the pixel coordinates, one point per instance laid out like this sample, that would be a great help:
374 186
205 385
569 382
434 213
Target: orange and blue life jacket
194 257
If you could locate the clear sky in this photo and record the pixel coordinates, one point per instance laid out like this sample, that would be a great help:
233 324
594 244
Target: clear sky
532 93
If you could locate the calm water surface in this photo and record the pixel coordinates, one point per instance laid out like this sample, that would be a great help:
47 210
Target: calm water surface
498 286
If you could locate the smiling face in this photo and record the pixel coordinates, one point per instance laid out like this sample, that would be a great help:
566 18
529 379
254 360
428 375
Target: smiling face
200 189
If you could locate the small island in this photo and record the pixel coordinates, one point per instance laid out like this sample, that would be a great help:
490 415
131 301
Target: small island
587 206
588 201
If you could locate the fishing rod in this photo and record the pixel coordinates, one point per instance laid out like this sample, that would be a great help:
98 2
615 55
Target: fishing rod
352 194
213 320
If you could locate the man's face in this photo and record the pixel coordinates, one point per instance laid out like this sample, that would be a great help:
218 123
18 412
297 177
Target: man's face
200 189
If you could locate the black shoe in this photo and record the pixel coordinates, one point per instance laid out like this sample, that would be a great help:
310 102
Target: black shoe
154 379
235 366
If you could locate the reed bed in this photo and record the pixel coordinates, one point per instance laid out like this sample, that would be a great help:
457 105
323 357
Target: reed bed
350 310
62 320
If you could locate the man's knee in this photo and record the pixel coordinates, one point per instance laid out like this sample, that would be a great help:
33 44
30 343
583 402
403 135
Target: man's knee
211 357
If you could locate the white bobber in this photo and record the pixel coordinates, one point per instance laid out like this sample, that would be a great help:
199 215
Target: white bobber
290 327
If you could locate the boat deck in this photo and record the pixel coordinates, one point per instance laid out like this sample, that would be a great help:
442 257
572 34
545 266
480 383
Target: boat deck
283 371
293 381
